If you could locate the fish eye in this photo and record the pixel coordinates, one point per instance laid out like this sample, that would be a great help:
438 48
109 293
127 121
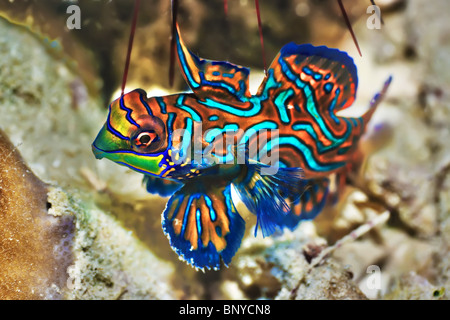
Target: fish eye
144 139
150 138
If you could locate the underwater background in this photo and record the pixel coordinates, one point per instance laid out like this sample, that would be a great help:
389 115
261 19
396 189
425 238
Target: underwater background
72 227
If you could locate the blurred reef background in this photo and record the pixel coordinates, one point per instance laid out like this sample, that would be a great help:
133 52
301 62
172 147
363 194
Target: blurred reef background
72 227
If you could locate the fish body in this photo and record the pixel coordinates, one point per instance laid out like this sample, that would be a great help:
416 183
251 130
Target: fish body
277 148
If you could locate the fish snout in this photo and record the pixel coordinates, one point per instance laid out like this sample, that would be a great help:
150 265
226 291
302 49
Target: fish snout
97 152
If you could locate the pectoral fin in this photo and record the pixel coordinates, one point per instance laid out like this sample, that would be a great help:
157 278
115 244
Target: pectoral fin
265 194
163 187
202 224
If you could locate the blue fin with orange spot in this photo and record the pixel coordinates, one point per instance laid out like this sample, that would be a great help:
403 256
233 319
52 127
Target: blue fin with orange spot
202 224
162 187
264 193
310 204
217 80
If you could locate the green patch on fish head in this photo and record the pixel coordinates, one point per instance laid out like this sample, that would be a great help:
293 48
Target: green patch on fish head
132 136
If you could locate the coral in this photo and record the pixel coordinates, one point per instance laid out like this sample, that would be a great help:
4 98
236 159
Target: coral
54 247
33 257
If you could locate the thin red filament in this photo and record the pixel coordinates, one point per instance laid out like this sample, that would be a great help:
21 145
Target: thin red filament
381 19
173 42
130 44
261 35
349 26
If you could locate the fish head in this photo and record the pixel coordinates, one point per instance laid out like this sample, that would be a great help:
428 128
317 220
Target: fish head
133 134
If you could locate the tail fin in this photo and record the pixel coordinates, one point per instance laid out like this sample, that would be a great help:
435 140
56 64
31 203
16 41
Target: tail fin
376 100
310 204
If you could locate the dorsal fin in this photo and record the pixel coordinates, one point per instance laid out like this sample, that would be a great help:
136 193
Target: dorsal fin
328 74
217 80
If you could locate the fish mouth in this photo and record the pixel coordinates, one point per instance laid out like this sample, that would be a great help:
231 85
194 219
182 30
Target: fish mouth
98 153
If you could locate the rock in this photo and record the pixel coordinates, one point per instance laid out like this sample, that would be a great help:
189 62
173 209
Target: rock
408 175
280 268
108 261
33 260
414 287
54 247
80 246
